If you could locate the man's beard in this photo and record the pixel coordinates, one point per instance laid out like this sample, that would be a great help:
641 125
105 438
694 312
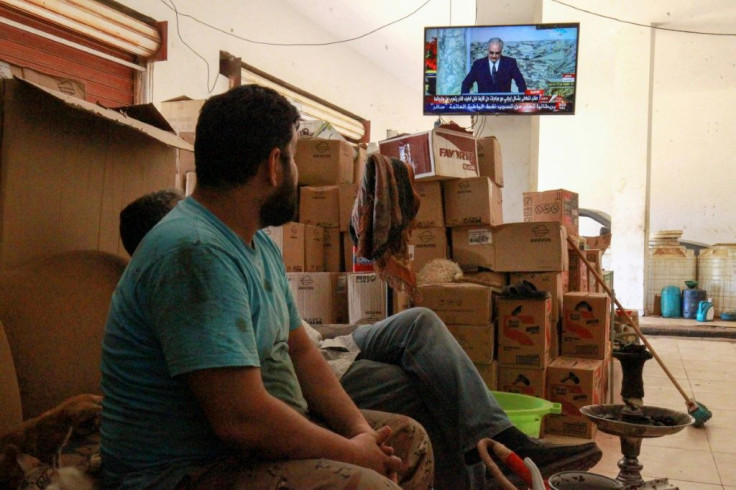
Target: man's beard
280 207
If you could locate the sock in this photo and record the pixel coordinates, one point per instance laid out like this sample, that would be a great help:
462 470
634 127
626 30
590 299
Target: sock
512 438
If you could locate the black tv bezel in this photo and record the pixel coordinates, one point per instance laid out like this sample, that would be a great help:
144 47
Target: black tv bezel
549 25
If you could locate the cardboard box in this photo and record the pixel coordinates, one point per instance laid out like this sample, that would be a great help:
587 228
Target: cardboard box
360 263
490 161
557 205
426 244
360 158
347 251
431 213
594 258
473 248
332 250
577 275
523 332
573 383
478 341
324 162
472 201
437 154
400 301
531 247
68 167
182 114
340 297
314 249
347 194
586 320
313 294
319 206
318 128
290 240
366 298
526 381
552 283
458 303
491 279
489 374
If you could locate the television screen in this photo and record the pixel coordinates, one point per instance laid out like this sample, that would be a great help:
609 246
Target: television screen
507 69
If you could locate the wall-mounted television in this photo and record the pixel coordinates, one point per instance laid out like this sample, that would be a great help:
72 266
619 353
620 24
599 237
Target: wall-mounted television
528 69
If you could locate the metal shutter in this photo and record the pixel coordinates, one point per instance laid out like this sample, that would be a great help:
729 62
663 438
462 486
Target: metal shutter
107 82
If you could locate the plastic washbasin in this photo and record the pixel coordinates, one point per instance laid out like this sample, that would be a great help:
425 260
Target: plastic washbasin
526 411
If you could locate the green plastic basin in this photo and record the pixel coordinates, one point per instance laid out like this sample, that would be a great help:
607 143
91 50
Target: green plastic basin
526 411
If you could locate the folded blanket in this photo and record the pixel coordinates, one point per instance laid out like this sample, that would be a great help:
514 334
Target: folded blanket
383 216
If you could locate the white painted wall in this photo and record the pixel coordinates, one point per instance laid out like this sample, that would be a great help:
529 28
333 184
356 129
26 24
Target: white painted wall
336 73
694 141
601 151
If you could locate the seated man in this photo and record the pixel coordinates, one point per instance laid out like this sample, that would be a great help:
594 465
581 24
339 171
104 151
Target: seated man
209 379
411 364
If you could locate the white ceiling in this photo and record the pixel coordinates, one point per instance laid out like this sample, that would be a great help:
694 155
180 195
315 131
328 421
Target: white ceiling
398 47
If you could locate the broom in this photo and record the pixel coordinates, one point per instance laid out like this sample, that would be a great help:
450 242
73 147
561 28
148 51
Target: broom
697 410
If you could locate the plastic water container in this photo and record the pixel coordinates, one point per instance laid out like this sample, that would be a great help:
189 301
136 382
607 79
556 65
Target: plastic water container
671 302
706 311
691 298
526 411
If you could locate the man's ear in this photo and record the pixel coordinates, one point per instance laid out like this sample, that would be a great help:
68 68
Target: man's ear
274 168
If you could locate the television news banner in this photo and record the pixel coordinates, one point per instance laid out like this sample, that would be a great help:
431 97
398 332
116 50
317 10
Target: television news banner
533 100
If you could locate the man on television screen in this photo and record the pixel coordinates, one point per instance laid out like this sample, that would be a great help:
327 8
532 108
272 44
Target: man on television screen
494 73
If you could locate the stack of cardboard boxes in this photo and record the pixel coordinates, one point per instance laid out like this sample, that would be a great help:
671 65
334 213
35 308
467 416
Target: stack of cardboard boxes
555 348
329 173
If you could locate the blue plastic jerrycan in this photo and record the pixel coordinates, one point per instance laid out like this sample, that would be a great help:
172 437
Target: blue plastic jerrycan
671 302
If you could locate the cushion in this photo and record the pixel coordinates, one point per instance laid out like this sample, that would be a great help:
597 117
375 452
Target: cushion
54 311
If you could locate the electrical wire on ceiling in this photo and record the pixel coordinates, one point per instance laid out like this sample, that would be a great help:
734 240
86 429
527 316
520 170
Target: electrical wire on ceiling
267 43
178 33
650 26
171 5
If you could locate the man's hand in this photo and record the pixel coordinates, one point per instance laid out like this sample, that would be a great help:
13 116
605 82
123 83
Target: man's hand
371 451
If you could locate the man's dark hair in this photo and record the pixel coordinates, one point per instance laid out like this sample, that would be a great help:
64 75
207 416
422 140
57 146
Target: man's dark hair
237 130
138 217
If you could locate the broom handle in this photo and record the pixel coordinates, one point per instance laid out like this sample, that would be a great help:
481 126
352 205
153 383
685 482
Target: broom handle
631 322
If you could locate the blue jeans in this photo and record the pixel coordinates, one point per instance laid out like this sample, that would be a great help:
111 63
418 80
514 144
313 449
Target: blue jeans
411 364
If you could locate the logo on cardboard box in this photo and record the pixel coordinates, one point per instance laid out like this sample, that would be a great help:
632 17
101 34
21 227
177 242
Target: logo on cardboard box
426 236
540 231
457 154
547 208
306 281
528 360
366 278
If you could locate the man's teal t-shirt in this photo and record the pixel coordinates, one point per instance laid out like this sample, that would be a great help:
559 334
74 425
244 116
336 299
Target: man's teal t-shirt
193 297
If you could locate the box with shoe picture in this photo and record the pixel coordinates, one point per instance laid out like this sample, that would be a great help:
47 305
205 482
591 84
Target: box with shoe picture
523 332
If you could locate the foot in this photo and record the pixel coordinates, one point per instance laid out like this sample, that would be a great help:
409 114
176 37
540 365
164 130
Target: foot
552 458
